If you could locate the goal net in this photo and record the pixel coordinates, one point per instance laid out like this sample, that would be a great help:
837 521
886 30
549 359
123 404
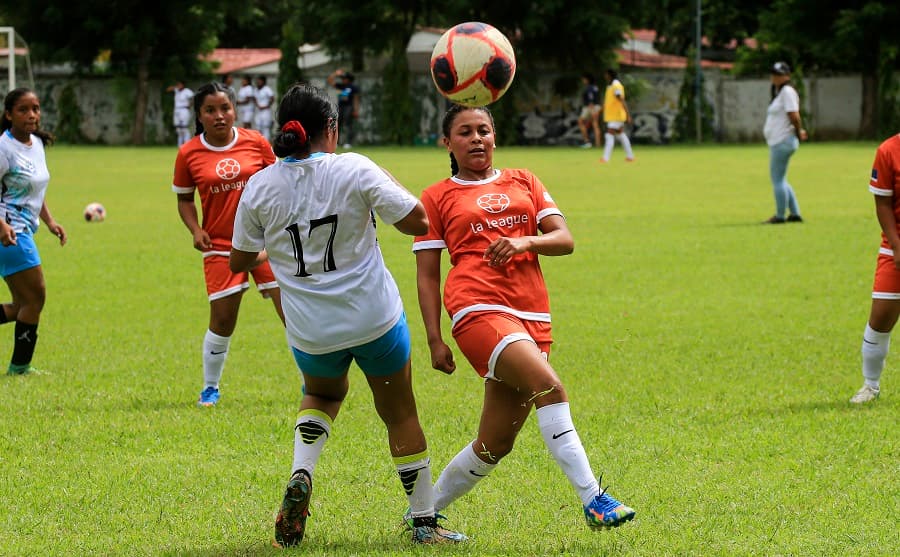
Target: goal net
15 61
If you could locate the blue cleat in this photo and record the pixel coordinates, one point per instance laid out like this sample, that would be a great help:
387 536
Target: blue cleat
605 512
208 397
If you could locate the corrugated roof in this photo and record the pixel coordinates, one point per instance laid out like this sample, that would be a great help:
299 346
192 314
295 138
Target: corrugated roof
234 60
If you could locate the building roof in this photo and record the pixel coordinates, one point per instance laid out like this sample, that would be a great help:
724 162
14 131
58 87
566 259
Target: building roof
638 59
237 60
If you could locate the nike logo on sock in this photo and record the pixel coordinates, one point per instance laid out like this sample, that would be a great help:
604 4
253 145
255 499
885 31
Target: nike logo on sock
474 473
214 353
869 342
558 435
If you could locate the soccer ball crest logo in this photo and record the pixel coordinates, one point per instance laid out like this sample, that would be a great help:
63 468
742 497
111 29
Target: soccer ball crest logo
493 202
473 64
228 169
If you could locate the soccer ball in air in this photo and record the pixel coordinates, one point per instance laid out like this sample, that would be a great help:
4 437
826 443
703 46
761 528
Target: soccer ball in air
473 64
94 212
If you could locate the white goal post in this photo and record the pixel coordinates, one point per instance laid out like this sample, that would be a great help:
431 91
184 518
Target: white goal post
15 59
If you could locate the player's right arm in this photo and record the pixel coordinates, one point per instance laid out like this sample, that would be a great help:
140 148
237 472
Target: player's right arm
428 284
187 210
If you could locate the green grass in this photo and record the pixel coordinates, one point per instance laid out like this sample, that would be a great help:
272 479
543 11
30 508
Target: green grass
708 360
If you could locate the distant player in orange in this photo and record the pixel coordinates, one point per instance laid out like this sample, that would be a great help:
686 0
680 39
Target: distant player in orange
217 163
885 185
494 224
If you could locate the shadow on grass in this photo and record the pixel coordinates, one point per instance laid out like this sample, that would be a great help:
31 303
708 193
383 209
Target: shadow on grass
401 545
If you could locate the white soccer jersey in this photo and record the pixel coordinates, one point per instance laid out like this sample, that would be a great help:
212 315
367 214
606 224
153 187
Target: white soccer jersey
264 97
246 104
315 219
183 98
24 177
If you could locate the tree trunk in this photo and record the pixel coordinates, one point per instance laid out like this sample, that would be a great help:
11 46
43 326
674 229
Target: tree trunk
869 113
141 94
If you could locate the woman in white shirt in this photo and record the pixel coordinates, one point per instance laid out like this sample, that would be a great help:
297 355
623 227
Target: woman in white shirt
783 132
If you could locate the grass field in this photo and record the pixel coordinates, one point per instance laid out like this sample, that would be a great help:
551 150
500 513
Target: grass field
709 360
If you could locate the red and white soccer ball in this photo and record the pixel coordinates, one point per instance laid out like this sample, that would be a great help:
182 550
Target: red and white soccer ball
94 212
473 64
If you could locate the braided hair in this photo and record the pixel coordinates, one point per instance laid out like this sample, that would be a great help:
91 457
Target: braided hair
447 124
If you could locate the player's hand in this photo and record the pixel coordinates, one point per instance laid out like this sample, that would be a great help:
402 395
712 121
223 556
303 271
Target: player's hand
503 249
442 357
59 232
897 260
7 235
202 240
261 258
803 135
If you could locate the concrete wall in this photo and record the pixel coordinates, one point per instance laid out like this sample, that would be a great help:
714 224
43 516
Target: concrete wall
831 105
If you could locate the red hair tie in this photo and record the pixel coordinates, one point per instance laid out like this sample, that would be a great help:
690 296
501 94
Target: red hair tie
295 127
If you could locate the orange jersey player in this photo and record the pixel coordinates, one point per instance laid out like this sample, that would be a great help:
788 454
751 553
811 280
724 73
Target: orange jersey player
885 185
495 224
216 163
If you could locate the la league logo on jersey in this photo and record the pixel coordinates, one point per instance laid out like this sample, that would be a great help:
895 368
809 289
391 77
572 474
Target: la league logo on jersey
228 169
493 202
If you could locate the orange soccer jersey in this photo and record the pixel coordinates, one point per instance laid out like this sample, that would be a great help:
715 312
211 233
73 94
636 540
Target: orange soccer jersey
465 217
885 181
219 174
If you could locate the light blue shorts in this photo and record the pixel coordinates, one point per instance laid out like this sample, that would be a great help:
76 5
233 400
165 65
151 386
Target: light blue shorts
23 255
383 356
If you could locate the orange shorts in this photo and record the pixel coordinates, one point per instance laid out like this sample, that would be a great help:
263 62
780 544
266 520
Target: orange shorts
887 278
221 282
482 336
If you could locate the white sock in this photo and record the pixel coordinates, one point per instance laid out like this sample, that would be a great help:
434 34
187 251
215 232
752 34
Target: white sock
415 474
215 349
608 142
874 351
558 431
626 144
459 477
312 430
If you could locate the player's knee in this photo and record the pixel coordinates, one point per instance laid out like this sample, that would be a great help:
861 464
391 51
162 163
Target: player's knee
551 392
494 450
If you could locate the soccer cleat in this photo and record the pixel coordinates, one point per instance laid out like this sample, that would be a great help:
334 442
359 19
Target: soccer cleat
605 512
409 521
208 397
774 220
290 524
865 394
794 218
586 145
25 369
433 533
629 159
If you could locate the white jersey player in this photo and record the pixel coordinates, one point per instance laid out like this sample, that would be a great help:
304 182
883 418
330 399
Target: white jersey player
246 103
313 212
182 115
264 97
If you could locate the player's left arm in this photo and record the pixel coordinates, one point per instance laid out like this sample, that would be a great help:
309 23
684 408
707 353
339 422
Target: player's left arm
555 239
798 125
356 103
53 226
242 261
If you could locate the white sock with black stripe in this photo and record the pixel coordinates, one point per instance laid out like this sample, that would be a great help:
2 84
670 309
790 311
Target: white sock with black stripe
312 430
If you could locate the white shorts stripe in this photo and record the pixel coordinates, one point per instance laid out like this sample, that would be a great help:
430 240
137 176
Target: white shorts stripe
504 342
886 251
885 296
526 315
229 291
881 192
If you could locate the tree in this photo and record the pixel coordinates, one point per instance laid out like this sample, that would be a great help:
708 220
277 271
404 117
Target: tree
837 35
161 39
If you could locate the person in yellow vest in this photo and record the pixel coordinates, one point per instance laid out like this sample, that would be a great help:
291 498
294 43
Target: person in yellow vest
615 116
